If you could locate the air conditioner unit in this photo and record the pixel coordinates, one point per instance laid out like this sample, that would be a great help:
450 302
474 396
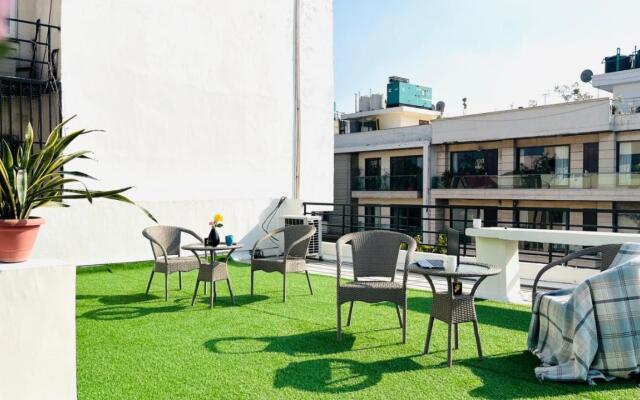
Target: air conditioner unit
315 245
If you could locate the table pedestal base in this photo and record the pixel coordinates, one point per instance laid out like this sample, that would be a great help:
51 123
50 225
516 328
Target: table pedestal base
503 254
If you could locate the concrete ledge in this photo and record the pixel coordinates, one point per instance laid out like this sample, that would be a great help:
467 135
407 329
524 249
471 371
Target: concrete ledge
37 330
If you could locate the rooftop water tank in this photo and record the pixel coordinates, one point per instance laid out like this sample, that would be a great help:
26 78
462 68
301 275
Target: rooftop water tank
364 104
617 62
376 101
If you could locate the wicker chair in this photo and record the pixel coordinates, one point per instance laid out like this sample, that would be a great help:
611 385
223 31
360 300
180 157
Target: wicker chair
608 252
375 255
296 247
165 245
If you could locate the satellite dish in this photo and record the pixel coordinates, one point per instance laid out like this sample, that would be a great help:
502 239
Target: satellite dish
440 106
586 75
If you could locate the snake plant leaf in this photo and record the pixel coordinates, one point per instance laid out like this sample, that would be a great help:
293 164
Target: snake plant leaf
21 187
7 157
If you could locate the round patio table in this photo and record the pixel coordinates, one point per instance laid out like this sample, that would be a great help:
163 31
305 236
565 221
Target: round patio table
454 309
212 271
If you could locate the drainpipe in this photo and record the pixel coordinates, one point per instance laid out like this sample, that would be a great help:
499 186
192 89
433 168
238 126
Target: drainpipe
296 77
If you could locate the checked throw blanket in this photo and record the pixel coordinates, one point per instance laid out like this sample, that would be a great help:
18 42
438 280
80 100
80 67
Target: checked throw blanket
592 331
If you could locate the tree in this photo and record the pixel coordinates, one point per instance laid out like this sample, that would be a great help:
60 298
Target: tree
572 92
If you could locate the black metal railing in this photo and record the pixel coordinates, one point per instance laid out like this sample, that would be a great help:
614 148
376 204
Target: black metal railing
30 91
429 222
538 181
388 182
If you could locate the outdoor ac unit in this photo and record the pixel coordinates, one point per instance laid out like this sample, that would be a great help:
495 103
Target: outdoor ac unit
315 245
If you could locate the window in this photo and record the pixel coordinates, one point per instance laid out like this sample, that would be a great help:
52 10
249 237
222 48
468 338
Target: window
590 154
371 217
627 217
406 173
544 160
628 163
629 157
407 219
372 170
478 162
542 219
589 220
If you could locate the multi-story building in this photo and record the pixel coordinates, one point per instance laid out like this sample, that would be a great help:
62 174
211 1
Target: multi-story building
571 165
379 160
574 165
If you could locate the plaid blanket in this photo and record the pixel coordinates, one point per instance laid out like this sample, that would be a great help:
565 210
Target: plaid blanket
592 331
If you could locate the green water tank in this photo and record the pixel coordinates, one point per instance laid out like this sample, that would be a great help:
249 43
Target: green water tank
402 93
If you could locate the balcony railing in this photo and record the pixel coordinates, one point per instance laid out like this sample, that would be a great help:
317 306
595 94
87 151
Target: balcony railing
388 183
539 181
432 221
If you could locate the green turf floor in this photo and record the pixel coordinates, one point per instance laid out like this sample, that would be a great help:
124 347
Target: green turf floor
134 346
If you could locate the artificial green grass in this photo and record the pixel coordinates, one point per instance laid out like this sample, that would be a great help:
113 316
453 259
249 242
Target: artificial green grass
134 346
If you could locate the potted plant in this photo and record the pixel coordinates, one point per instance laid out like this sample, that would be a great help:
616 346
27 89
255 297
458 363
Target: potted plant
30 179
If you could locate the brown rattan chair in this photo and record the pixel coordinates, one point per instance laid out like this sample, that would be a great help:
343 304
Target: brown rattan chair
165 245
375 255
296 247
608 253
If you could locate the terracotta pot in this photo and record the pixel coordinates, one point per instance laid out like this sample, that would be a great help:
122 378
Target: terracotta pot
17 237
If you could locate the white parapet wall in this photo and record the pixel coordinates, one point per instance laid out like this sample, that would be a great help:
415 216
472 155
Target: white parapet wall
37 330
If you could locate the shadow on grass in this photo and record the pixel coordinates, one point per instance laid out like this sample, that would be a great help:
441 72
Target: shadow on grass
117 313
223 299
339 375
487 314
318 343
113 300
511 376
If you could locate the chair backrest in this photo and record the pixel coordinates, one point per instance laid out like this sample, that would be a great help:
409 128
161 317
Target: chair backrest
453 243
608 253
296 232
375 253
167 236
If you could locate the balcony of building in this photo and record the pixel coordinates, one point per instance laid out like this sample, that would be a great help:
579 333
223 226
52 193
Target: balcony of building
387 186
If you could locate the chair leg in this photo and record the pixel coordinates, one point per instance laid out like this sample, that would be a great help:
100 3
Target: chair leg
166 286
233 301
399 317
204 289
404 323
195 292
339 326
251 282
215 292
284 287
449 345
429 330
477 334
350 311
456 334
212 294
180 280
149 284
309 282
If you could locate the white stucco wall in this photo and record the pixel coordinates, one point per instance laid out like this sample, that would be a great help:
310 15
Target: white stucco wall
197 101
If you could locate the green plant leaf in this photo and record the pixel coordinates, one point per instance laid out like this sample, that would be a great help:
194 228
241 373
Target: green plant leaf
21 187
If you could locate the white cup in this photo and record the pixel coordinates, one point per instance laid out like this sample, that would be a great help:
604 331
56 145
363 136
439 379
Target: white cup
477 223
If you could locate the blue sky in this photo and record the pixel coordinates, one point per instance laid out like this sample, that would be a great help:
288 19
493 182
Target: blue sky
497 53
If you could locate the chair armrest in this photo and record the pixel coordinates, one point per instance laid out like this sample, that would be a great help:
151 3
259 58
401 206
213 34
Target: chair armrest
263 238
192 233
164 251
561 261
342 240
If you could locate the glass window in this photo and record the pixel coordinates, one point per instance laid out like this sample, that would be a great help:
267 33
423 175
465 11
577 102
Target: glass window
406 173
627 217
544 160
407 219
629 157
478 162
